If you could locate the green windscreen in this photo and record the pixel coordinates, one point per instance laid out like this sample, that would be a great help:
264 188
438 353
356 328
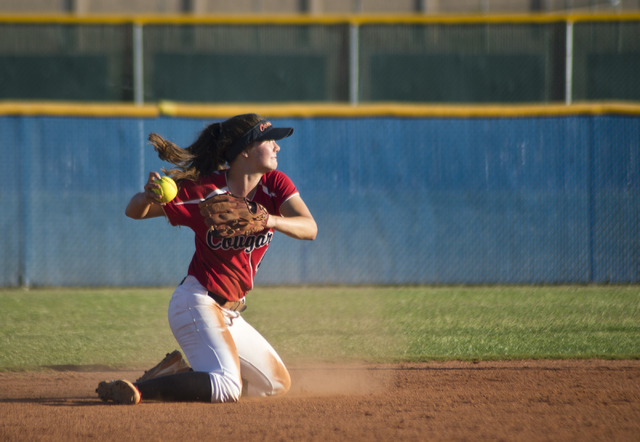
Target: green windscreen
606 61
613 76
247 78
457 78
61 77
66 62
225 63
425 63
462 63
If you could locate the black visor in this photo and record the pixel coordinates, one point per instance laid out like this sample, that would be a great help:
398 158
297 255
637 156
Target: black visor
260 132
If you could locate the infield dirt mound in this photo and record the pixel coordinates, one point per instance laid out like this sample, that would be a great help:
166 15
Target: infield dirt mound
588 400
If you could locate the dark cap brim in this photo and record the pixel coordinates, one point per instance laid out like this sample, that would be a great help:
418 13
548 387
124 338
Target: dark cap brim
260 132
277 133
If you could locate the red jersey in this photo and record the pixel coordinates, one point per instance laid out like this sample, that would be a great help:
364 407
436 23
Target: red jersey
227 266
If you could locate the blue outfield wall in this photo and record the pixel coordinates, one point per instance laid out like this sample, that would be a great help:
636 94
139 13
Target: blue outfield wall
397 201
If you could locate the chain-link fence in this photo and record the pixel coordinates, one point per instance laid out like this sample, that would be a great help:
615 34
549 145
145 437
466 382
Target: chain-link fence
246 64
473 63
397 200
477 60
66 62
606 61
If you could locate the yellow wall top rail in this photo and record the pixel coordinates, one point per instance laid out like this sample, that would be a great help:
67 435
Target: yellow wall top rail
306 19
318 110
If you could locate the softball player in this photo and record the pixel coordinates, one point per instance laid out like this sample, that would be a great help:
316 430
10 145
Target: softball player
204 311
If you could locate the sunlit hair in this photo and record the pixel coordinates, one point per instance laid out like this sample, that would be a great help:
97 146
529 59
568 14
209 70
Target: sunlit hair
207 153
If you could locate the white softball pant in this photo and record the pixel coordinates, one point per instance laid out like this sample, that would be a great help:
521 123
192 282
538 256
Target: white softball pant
220 342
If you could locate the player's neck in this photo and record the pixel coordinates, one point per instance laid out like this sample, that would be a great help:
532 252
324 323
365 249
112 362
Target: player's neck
242 184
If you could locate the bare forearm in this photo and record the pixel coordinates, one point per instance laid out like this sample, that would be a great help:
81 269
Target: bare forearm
298 227
140 207
146 204
296 220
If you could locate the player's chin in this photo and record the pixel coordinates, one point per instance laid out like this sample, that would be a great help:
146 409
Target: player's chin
269 168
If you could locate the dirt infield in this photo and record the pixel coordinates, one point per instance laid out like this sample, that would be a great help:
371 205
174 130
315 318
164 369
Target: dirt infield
453 401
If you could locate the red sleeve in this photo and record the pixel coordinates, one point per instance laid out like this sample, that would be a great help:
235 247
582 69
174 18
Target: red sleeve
279 188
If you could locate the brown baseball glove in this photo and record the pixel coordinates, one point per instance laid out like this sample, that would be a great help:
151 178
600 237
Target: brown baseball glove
228 215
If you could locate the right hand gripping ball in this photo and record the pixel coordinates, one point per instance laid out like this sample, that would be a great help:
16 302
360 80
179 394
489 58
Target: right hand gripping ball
168 189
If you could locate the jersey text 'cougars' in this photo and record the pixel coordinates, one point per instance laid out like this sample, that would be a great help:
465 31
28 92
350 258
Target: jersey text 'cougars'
227 266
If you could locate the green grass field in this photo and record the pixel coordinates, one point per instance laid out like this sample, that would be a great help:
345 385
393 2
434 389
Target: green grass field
128 327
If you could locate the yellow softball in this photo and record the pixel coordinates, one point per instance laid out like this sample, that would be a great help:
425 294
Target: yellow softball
168 189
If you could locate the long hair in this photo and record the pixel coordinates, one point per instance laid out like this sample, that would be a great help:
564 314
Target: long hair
207 153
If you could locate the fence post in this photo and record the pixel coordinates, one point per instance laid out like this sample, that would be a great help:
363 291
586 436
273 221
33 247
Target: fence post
568 85
27 133
354 55
138 65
